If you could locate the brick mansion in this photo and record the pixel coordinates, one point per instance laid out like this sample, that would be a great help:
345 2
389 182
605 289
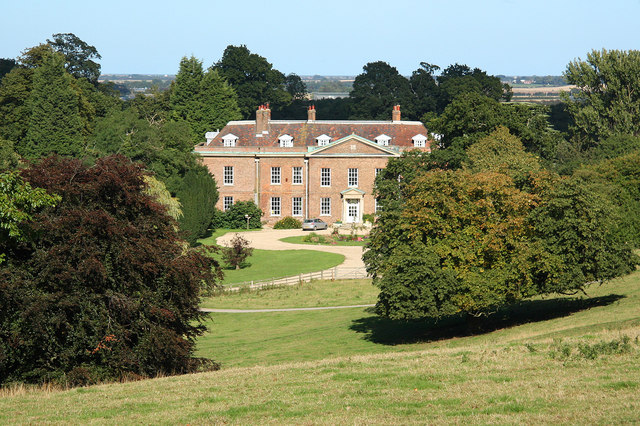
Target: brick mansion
312 168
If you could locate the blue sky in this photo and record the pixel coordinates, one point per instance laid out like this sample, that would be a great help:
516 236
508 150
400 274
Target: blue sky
330 37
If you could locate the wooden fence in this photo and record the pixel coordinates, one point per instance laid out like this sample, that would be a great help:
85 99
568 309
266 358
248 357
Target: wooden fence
329 274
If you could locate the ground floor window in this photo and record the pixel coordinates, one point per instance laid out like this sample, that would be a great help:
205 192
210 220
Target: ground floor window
228 202
325 206
275 206
296 206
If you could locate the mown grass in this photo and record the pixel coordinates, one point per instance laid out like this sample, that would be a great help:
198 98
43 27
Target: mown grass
299 240
265 264
270 338
313 294
554 360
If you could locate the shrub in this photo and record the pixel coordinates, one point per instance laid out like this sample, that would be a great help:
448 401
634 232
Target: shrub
234 217
287 223
237 252
368 218
104 288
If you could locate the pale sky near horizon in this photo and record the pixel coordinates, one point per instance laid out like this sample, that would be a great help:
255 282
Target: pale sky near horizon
330 37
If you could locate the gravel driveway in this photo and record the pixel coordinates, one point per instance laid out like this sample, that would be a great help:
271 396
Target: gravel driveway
268 239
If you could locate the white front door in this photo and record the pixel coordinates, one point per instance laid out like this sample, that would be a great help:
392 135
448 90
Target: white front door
353 210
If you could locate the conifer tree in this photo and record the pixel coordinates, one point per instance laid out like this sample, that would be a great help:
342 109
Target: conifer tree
55 124
202 99
198 196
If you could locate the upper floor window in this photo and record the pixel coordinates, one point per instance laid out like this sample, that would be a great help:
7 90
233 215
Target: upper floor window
229 140
323 140
419 141
296 177
275 176
383 140
378 171
325 177
228 175
286 141
353 177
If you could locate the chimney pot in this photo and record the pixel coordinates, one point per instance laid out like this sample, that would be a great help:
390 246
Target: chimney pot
311 113
395 114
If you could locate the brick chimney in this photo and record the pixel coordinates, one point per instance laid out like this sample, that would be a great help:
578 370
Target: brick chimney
311 113
263 116
395 114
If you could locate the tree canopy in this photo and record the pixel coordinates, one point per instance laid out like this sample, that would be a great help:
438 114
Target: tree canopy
500 230
203 100
253 78
104 289
377 90
607 101
78 56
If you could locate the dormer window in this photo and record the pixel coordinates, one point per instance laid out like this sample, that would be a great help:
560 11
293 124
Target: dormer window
286 141
419 141
323 140
229 140
383 140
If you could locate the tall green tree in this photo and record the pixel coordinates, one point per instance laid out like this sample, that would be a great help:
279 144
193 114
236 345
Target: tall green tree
296 87
203 100
425 88
377 89
253 78
198 196
459 79
55 124
472 116
15 89
78 56
165 147
6 65
607 101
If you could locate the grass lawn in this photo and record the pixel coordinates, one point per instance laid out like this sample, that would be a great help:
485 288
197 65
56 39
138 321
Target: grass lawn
265 264
298 240
280 337
554 360
313 294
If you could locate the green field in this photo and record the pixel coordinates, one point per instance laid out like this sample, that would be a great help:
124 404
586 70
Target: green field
554 360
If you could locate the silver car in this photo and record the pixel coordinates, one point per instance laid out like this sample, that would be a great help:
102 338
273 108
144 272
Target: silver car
313 224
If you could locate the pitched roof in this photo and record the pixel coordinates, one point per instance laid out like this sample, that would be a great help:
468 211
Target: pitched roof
304 133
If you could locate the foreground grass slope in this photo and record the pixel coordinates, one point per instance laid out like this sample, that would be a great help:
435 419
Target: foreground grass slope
559 360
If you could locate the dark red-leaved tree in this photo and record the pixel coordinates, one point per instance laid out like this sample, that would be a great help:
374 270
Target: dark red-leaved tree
104 288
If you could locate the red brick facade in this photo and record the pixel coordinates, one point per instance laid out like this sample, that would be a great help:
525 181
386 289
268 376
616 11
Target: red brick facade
289 181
